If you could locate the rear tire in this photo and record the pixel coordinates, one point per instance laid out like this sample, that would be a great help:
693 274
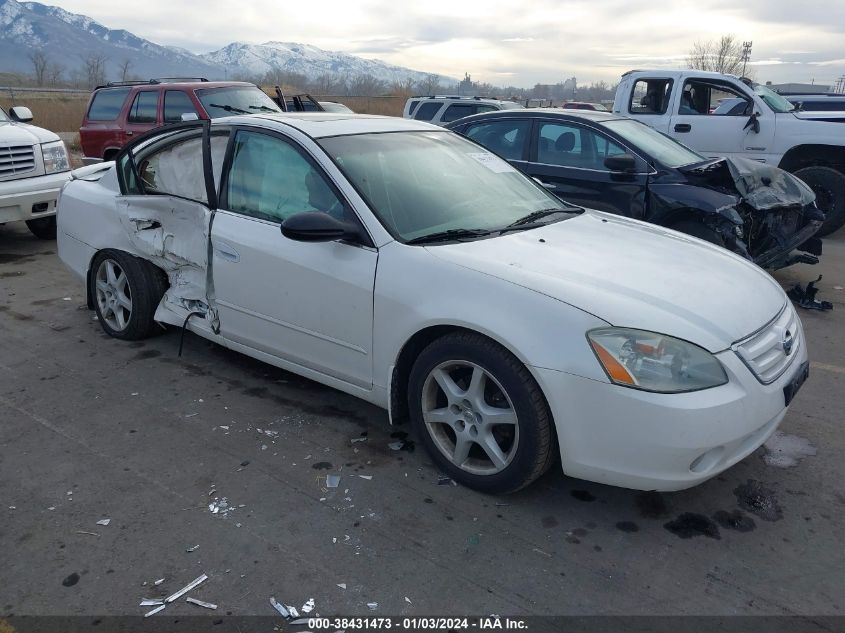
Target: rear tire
480 413
43 228
126 291
829 186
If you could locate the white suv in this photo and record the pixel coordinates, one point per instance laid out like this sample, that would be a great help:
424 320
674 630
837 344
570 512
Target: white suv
34 165
443 109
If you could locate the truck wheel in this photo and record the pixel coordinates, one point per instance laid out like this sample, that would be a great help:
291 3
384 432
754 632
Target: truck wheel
829 187
126 292
43 228
480 413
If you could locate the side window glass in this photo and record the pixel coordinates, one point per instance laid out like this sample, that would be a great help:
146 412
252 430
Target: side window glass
710 97
458 111
177 103
413 107
604 148
563 145
427 110
107 104
505 138
271 179
650 96
177 170
144 108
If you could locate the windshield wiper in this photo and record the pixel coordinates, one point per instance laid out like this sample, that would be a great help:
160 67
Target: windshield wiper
450 234
534 216
228 108
263 108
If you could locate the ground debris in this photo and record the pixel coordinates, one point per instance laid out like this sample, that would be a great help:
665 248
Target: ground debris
332 481
103 521
200 603
806 297
196 582
192 549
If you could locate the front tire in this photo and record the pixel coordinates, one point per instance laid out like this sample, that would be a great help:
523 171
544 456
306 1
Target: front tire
43 228
480 413
126 292
829 187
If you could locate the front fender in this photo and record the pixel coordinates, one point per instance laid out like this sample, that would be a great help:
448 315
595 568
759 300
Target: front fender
670 202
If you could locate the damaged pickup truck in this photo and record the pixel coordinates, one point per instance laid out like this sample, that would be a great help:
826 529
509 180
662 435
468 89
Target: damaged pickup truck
401 263
622 166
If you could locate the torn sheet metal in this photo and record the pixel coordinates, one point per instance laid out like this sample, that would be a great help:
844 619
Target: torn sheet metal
806 297
278 606
192 585
151 602
154 611
200 603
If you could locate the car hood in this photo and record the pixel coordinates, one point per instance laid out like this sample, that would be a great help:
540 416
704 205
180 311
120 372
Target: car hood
12 133
762 187
632 274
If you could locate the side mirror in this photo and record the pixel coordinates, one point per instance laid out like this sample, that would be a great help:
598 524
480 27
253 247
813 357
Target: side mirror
621 162
20 114
316 226
753 123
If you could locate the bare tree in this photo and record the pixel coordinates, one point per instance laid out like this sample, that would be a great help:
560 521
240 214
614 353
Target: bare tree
723 55
402 86
366 86
125 65
39 66
54 73
430 85
94 70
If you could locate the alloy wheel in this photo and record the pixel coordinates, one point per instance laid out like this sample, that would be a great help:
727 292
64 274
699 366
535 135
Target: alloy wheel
114 296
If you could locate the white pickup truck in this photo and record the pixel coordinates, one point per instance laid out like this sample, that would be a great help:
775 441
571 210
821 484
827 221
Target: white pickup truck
33 167
681 103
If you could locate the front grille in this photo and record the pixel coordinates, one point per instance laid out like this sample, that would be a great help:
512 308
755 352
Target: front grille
16 160
768 352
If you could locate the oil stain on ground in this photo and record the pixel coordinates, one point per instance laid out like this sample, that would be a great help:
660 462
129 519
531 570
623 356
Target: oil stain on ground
754 497
735 520
147 354
71 580
690 524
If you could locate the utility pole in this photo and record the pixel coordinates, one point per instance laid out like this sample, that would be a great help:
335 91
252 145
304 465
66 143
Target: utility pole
746 54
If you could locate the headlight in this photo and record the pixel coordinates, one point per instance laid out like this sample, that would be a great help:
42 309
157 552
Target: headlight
55 157
655 362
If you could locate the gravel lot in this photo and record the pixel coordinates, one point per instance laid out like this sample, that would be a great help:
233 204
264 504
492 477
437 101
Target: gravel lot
94 428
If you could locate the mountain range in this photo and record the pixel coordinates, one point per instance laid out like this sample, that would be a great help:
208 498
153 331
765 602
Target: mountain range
69 39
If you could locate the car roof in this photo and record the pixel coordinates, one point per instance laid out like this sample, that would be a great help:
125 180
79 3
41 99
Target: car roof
325 124
593 116
170 85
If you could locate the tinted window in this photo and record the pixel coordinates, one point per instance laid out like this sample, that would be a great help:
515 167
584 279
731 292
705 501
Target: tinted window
485 108
271 179
427 110
658 146
413 107
650 96
571 145
144 108
177 103
458 111
506 138
107 104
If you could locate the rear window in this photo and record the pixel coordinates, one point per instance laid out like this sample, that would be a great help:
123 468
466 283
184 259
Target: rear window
413 107
107 104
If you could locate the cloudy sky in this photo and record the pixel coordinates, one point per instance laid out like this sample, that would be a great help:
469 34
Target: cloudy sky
506 42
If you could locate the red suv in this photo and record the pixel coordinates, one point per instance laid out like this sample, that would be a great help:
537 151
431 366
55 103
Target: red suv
120 110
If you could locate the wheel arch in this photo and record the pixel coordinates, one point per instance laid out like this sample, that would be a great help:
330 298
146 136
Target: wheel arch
810 155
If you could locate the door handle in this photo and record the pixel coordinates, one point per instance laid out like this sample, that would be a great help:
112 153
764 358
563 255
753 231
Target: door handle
129 132
683 127
225 251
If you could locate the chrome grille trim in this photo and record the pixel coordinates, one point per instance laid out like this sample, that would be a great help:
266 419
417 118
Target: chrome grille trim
764 351
16 159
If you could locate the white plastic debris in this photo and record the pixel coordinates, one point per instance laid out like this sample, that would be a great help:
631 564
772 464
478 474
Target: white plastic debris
151 602
154 611
367 477
332 481
103 521
200 603
196 582
408 600
159 581
342 585
192 549
308 607
278 606
372 606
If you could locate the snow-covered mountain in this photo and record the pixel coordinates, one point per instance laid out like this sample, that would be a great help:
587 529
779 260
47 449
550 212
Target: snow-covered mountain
68 39
304 59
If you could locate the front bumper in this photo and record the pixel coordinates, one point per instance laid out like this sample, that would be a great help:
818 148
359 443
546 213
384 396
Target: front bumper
648 441
780 253
30 198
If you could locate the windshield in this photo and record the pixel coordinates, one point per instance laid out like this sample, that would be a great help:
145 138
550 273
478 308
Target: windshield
773 99
660 147
3 116
220 102
422 183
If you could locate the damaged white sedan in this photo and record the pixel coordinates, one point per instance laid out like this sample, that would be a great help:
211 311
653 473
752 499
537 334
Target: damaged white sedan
403 264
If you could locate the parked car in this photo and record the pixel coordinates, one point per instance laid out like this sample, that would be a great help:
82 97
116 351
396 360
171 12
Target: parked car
34 165
119 111
818 103
583 105
770 130
334 106
618 165
302 102
403 264
442 109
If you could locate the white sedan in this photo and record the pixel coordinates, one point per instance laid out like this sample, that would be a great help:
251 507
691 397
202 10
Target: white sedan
401 263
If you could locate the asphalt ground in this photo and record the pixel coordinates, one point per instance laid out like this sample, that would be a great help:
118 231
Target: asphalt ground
93 428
